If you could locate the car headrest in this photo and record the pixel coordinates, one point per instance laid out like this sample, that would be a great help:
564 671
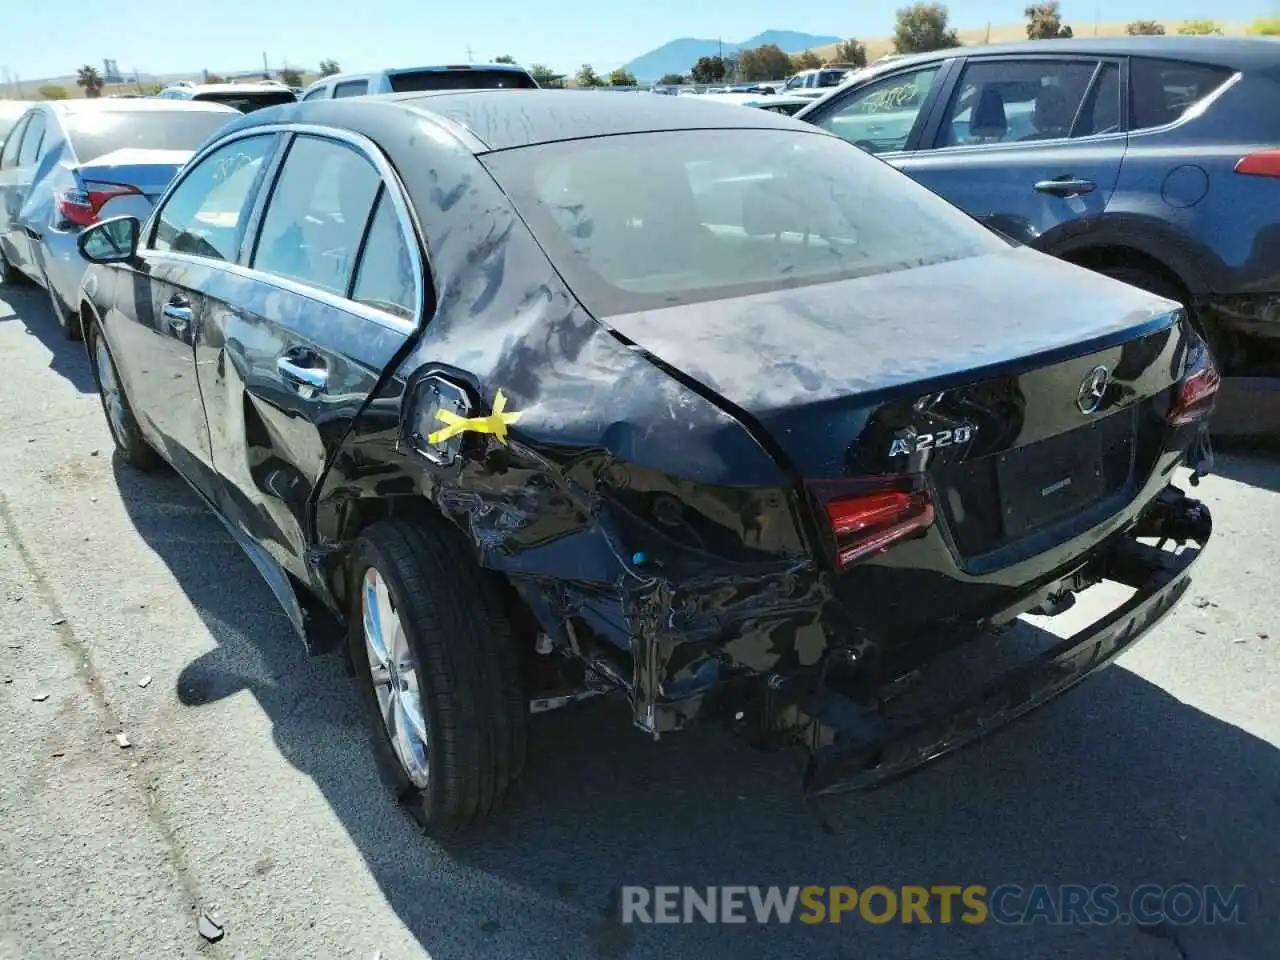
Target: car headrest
988 118
1052 114
771 207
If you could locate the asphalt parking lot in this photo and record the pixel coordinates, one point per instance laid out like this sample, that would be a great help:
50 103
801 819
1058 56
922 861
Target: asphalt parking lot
246 786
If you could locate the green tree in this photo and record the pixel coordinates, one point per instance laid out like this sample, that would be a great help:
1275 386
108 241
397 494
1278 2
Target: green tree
89 78
1265 27
215 78
852 52
763 63
1044 22
708 70
505 58
1200 28
329 67
671 79
1145 28
587 76
923 27
621 78
805 61
542 74
291 77
51 91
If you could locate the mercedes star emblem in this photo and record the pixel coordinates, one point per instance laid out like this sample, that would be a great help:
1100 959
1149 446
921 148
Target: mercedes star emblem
1092 389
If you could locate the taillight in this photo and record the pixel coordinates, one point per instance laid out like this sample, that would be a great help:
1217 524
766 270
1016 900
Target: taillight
1199 388
1264 163
869 521
81 206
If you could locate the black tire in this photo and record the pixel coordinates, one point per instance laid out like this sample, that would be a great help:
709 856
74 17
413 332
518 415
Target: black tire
133 448
468 669
1163 287
68 322
8 272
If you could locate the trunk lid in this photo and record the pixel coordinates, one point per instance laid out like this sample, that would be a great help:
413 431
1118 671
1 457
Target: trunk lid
1030 393
148 170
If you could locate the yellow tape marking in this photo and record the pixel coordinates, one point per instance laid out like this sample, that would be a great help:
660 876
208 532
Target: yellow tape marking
496 423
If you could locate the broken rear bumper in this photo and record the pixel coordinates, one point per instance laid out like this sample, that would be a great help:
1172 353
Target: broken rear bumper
854 748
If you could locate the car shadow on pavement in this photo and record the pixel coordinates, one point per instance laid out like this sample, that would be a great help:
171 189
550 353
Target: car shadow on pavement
30 306
1256 462
1117 783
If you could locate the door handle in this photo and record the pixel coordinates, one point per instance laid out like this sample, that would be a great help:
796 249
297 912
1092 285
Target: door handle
177 316
1066 187
314 377
34 235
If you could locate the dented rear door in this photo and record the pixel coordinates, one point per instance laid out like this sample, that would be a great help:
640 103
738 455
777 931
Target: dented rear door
293 345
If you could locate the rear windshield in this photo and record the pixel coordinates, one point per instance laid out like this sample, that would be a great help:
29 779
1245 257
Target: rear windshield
248 102
459 80
95 134
652 220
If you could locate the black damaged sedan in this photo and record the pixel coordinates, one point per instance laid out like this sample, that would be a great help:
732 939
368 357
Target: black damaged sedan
518 397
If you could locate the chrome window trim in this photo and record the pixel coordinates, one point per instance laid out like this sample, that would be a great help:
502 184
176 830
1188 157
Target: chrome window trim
395 190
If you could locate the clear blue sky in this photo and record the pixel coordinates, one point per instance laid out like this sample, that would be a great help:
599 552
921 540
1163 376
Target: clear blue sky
44 38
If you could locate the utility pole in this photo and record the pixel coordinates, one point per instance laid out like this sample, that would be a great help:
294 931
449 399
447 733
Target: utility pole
468 53
266 71
137 79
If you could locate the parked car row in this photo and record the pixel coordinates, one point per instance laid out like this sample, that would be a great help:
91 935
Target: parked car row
1155 160
696 405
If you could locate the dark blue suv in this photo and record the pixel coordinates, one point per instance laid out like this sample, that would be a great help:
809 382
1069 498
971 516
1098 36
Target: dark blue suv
1155 160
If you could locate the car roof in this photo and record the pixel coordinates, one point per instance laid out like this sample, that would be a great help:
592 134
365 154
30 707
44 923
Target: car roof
504 119
1238 53
146 105
433 67
234 88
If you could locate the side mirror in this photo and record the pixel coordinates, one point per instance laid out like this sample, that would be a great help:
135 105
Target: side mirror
111 241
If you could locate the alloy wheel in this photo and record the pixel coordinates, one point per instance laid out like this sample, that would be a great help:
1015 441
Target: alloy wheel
394 670
112 394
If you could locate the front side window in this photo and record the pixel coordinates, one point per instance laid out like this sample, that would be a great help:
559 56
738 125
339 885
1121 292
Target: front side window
32 141
352 88
316 94
317 214
1012 101
205 215
654 220
1163 90
384 277
879 117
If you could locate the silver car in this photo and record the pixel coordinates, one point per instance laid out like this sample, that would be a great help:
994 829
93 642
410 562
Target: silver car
66 165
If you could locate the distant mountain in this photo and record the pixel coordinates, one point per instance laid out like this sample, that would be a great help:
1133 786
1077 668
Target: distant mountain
679 56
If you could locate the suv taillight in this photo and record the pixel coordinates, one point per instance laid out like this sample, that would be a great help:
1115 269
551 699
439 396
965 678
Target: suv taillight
870 520
1264 163
1199 387
80 206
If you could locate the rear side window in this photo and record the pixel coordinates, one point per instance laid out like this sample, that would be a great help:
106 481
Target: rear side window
32 141
459 80
96 134
384 279
12 143
352 88
1012 101
317 214
248 102
205 215
648 221
1163 90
